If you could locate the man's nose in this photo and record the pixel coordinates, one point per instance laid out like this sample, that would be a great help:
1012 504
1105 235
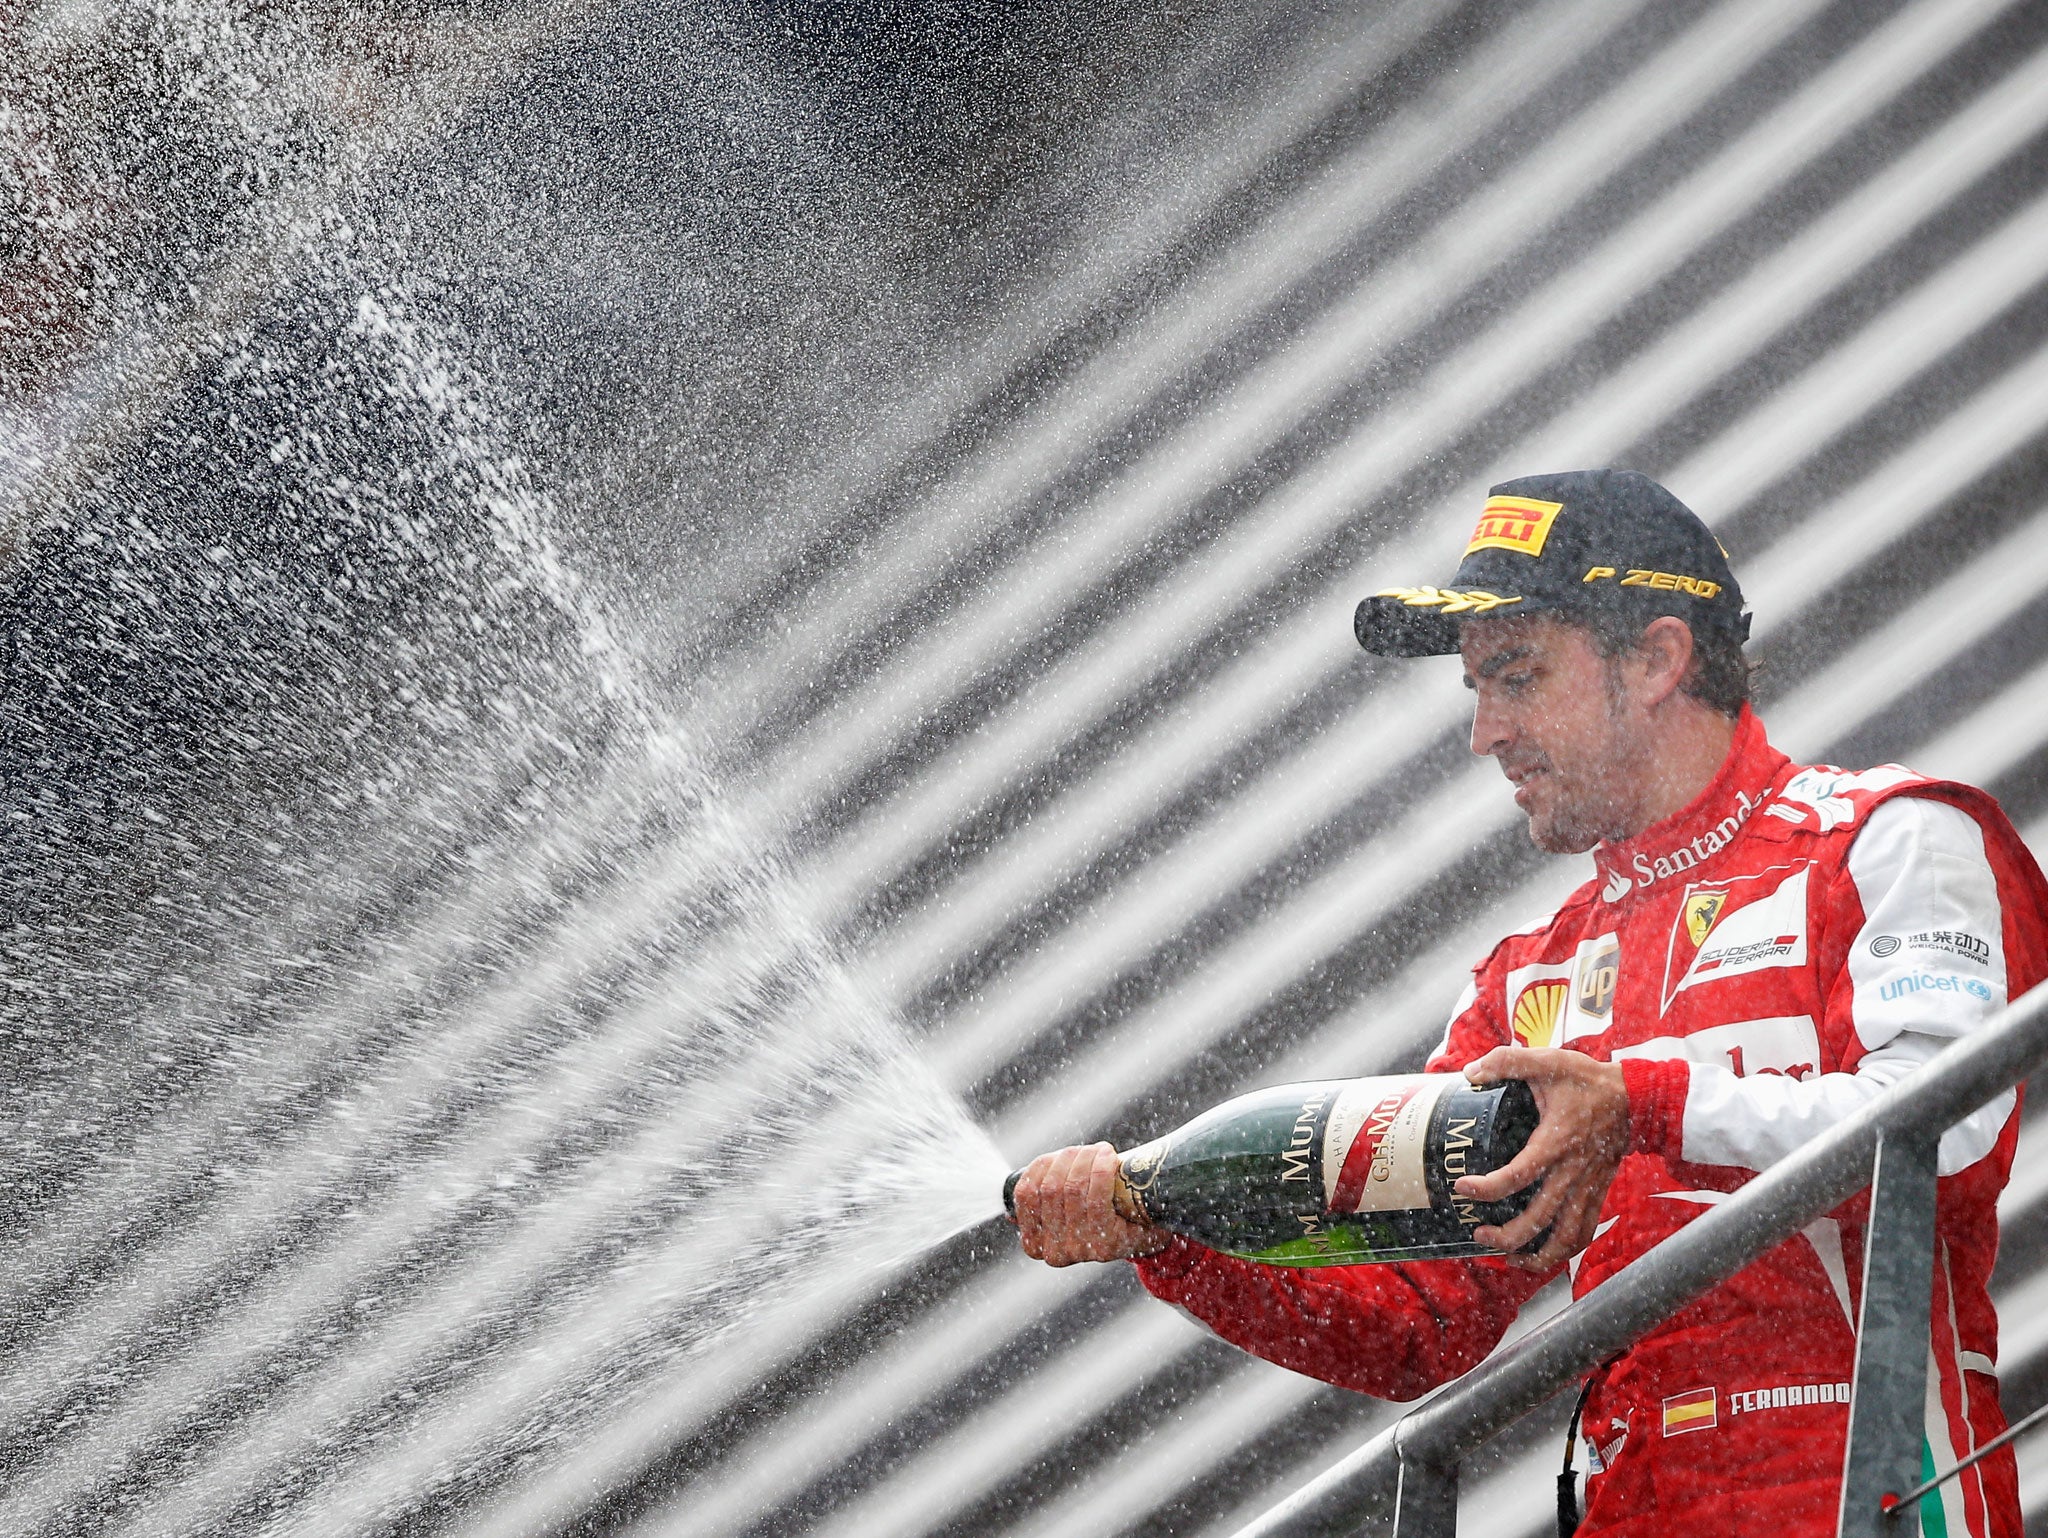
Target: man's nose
1489 730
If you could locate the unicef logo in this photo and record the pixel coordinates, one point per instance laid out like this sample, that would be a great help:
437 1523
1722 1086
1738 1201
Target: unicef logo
1884 945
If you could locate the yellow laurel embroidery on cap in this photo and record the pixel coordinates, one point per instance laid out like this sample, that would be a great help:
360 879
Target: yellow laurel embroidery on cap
1448 600
1514 523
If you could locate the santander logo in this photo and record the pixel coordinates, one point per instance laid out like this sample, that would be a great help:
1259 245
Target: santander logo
1650 869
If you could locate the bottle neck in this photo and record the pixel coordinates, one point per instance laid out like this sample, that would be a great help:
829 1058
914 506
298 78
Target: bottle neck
1135 1172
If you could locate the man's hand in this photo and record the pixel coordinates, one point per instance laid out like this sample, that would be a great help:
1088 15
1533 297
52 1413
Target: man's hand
1578 1142
1064 1212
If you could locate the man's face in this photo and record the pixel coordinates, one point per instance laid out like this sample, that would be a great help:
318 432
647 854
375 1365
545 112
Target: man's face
1554 711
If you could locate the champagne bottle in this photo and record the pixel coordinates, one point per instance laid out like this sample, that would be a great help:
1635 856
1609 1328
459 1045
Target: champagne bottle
1340 1172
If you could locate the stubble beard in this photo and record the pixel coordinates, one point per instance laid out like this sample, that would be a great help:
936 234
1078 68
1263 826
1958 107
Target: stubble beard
1583 816
1567 830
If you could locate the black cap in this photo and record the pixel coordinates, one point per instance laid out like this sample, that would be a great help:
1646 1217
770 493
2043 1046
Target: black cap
1581 541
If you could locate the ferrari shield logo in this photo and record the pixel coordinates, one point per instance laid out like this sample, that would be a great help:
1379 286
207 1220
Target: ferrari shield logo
1701 909
1742 925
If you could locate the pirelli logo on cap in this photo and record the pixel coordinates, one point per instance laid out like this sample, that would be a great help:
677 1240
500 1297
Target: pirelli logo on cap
1514 523
1694 1410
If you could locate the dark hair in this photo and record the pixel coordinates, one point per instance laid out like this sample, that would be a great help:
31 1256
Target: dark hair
1720 675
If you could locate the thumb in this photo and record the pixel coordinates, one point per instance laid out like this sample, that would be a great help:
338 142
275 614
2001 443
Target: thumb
1498 1064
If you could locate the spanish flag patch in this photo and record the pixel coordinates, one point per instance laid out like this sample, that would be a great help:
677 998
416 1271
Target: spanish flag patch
1694 1410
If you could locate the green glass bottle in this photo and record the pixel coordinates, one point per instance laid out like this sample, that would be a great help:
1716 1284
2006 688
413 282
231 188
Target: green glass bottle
1341 1172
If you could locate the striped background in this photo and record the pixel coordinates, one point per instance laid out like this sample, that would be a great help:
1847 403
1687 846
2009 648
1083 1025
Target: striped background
1058 701
1041 663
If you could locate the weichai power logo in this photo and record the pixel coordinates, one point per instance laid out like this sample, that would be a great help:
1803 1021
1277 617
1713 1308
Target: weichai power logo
1514 523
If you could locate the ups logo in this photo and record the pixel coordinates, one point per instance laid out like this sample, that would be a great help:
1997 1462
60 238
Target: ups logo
1599 972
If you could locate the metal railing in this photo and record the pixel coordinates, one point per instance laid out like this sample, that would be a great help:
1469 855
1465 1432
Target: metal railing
1411 1468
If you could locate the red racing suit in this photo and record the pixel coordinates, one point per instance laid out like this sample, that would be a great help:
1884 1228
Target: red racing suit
1761 964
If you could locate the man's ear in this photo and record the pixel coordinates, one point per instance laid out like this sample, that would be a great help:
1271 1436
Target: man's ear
1665 653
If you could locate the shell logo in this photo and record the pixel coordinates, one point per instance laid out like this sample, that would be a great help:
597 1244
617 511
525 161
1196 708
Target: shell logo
1537 1012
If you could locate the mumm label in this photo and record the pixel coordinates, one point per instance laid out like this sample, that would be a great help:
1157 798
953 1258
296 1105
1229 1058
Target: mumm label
1295 1155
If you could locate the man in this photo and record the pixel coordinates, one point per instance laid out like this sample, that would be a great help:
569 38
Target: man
1761 949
